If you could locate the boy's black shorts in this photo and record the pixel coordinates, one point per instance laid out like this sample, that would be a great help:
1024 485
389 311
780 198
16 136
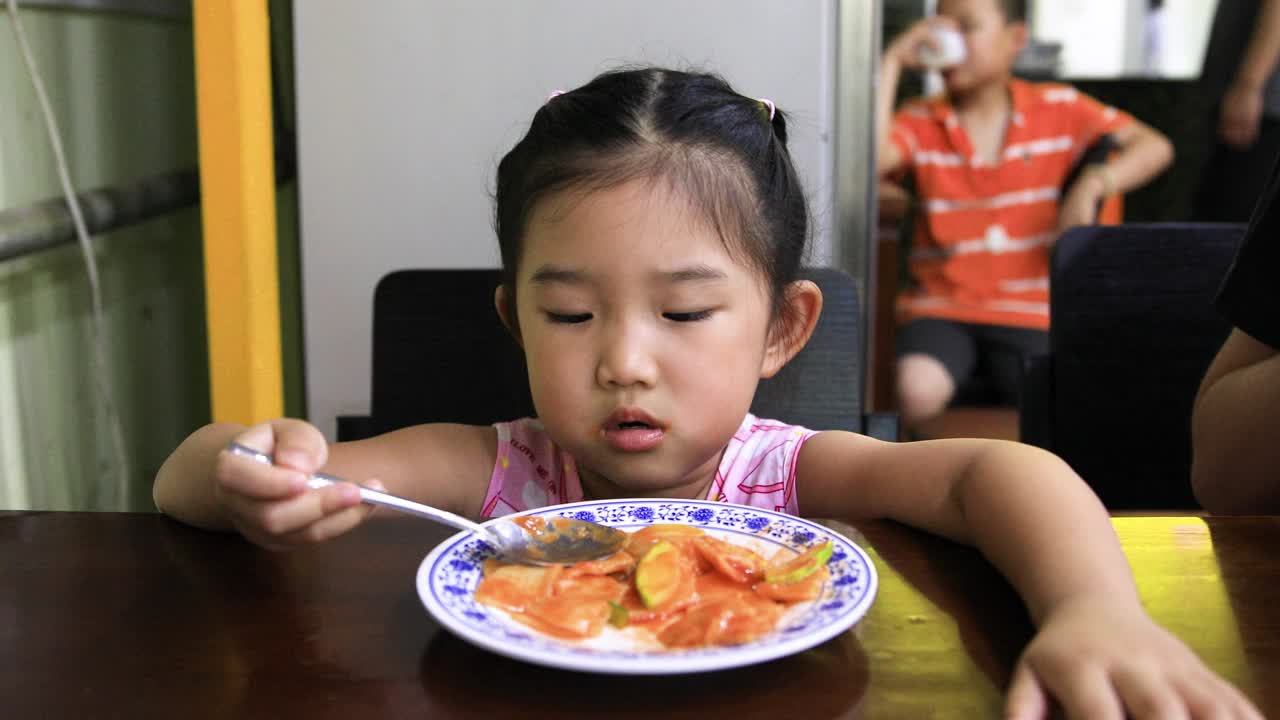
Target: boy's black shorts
969 351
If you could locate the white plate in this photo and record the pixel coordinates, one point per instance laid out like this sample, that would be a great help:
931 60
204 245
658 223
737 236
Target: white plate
448 576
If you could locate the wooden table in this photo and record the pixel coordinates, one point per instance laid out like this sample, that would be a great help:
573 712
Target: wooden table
135 615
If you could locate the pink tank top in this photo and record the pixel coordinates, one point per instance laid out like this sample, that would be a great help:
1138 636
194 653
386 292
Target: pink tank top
758 468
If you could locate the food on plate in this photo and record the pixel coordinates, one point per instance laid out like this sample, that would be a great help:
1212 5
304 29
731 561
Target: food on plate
664 577
790 570
677 583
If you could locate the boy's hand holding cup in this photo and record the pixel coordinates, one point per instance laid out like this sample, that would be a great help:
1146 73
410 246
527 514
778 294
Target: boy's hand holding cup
931 44
945 48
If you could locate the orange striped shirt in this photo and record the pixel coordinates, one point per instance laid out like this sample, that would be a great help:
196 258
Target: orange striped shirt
983 232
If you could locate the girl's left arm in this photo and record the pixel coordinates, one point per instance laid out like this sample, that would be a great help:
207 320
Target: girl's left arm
1096 651
1023 507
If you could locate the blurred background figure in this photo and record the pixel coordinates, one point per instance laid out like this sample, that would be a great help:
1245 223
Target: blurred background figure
995 163
1240 77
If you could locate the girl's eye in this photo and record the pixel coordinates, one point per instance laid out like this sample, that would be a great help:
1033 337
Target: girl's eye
688 316
568 319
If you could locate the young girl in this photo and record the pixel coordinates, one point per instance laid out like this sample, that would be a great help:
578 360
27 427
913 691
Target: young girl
651 227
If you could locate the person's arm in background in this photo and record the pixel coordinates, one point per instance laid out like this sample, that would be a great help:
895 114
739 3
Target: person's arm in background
1241 110
1236 460
1142 152
888 157
902 54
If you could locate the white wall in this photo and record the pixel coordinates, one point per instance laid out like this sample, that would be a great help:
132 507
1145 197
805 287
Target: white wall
1105 38
405 108
1093 34
1187 24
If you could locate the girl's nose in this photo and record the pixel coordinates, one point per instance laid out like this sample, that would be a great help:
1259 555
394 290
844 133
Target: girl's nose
626 357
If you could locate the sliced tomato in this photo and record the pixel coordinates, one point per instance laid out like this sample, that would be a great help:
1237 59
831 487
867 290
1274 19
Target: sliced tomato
729 621
637 613
794 568
641 540
619 562
567 617
514 587
714 586
799 591
590 587
735 562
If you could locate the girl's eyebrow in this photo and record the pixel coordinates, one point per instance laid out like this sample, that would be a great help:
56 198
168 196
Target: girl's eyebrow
550 274
695 273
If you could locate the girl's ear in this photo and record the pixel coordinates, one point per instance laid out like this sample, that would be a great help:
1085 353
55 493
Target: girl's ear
802 304
505 309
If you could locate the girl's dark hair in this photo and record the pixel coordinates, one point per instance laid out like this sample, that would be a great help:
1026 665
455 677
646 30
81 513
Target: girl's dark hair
719 150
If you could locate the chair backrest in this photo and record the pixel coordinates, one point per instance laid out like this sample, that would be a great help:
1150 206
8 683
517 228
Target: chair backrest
1132 331
821 388
440 354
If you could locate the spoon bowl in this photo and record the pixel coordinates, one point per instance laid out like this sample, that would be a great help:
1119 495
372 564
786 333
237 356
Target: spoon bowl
527 540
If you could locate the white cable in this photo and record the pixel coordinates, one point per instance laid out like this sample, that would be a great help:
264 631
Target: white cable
101 371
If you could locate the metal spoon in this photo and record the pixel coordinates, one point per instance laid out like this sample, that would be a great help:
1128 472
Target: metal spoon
528 540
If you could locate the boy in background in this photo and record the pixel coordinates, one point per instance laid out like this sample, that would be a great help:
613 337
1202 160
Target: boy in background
989 158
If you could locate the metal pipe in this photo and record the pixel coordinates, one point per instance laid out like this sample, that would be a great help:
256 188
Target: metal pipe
856 181
178 10
47 224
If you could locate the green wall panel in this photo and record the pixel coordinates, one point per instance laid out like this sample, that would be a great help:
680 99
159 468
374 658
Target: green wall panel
123 90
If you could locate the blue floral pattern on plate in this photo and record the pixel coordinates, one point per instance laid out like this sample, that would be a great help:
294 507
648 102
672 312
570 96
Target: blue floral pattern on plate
448 576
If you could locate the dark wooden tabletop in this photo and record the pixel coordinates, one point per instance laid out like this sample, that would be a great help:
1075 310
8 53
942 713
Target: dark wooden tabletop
135 615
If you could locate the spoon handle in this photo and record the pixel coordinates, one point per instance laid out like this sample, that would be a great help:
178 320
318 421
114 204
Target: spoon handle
372 497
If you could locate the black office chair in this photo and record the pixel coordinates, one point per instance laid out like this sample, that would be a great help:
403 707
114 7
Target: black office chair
440 354
1132 331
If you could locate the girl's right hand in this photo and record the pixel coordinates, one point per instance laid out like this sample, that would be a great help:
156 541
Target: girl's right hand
905 49
271 504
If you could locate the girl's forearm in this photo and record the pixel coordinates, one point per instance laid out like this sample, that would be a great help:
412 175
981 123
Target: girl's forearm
184 484
1034 519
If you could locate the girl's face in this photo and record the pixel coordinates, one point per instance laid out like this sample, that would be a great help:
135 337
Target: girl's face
991 40
645 339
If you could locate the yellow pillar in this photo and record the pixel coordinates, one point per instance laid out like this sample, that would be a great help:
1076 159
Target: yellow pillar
233 102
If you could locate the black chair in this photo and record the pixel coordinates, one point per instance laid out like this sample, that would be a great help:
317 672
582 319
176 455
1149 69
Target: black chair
1132 331
440 354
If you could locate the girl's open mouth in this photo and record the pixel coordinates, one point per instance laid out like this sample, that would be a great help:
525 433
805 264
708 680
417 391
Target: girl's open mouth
633 431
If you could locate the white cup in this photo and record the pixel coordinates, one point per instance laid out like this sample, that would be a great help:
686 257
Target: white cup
948 49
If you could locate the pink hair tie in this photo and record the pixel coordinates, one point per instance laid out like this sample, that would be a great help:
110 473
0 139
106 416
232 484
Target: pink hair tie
555 94
769 104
